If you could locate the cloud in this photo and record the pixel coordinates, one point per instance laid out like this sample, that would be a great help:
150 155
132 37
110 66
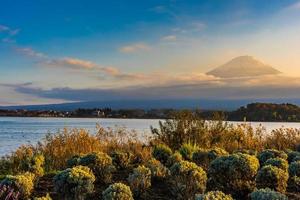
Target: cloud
71 63
294 6
183 87
30 52
9 33
133 48
169 38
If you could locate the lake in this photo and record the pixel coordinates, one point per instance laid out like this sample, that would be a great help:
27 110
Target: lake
15 131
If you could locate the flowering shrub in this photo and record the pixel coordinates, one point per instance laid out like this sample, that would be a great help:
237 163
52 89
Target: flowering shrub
271 153
277 162
214 195
267 194
203 158
117 191
162 153
233 174
158 170
187 150
174 158
187 180
20 185
140 180
273 178
47 197
74 183
101 165
120 159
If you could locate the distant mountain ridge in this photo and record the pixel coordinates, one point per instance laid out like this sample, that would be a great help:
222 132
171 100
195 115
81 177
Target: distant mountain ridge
243 66
203 104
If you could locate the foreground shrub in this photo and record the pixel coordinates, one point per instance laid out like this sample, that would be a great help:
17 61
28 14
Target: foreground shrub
187 180
22 184
203 158
162 153
273 178
140 180
117 191
47 197
277 162
120 159
158 170
233 174
187 150
294 169
292 155
101 165
294 184
73 161
271 153
214 195
74 183
174 158
267 194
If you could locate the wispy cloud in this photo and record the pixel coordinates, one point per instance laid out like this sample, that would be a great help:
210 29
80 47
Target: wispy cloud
71 63
294 6
9 33
169 38
133 48
30 52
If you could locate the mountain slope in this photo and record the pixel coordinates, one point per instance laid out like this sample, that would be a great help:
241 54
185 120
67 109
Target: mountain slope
243 66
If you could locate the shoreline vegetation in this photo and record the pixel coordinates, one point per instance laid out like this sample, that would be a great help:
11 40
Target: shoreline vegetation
255 112
186 158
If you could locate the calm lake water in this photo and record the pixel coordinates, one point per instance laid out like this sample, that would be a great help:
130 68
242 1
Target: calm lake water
16 131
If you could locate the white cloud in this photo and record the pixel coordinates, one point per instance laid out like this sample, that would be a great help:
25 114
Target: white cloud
133 48
169 38
30 52
9 33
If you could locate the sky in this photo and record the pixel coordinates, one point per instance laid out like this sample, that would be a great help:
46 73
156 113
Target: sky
72 50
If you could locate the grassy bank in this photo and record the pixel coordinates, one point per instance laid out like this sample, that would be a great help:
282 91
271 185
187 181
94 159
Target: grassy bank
186 158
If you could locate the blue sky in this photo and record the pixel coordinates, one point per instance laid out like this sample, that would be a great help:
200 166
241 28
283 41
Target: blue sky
51 47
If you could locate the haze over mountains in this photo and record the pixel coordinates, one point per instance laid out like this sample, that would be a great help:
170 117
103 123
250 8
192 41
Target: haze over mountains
238 82
243 66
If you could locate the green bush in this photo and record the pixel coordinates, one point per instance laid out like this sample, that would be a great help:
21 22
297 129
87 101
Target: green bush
162 153
23 183
294 169
74 183
203 158
277 162
273 178
294 184
187 180
47 197
121 159
74 161
187 150
233 174
101 165
158 170
297 158
174 158
270 153
140 180
247 151
214 195
117 191
267 194
292 155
